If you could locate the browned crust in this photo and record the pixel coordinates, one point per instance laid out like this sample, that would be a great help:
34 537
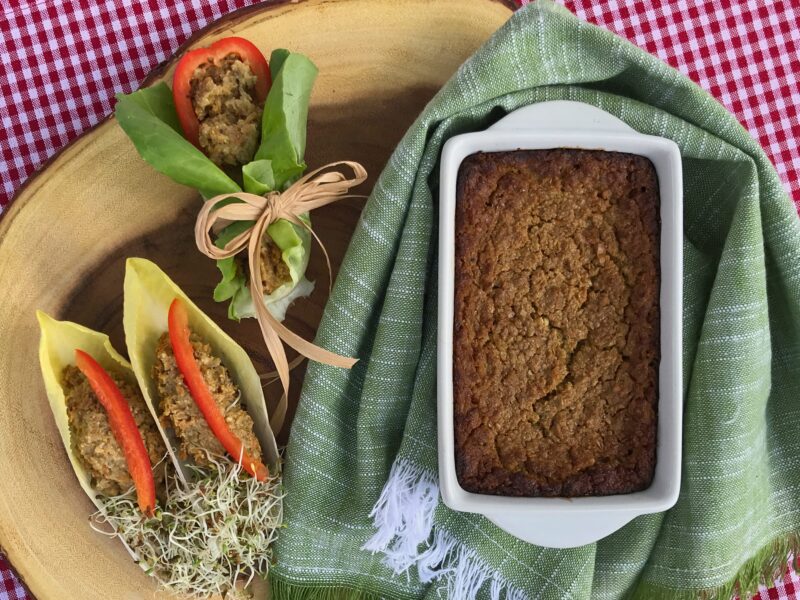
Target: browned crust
556 325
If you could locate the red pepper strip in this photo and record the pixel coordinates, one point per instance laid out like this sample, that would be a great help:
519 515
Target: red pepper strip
182 79
178 323
123 426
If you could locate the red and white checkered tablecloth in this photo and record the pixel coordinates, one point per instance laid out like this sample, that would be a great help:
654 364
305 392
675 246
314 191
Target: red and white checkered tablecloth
788 589
62 61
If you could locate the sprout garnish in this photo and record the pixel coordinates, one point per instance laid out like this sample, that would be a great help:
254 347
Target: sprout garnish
205 537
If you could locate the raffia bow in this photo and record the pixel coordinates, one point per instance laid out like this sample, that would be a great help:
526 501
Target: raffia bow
315 189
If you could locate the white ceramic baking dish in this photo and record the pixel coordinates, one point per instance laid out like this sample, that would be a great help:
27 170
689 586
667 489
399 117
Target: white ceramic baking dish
562 522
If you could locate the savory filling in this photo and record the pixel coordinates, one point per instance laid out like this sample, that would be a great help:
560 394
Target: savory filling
223 97
180 412
92 440
274 272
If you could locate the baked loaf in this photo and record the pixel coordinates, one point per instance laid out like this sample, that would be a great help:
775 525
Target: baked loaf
556 333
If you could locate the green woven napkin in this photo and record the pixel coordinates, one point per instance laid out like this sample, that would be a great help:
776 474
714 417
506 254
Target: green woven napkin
361 470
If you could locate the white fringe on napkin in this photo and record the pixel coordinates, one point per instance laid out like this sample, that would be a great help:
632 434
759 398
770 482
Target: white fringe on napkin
403 518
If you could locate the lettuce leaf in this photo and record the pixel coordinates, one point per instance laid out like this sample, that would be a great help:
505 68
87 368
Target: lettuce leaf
149 119
234 281
158 101
277 302
258 177
279 161
294 242
276 60
283 124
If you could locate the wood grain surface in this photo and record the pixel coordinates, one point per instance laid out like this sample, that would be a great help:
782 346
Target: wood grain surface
64 241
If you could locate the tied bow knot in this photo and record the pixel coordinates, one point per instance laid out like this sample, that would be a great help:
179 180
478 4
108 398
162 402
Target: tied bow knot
313 190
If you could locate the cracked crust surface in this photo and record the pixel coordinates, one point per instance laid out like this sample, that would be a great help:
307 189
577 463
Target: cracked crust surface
556 332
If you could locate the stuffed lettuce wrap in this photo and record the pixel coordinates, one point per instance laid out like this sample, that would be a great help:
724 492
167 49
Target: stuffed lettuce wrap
159 131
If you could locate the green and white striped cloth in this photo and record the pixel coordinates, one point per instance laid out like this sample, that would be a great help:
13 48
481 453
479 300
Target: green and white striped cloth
363 516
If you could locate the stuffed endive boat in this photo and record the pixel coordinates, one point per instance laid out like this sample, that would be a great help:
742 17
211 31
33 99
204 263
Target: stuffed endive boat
108 432
203 524
199 384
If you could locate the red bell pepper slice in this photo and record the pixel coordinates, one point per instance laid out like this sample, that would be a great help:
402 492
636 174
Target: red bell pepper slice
178 324
123 427
181 80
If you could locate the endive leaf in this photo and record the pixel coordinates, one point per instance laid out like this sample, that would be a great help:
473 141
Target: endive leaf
57 345
148 295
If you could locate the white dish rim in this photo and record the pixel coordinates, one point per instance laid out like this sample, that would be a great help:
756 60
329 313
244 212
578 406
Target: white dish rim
562 124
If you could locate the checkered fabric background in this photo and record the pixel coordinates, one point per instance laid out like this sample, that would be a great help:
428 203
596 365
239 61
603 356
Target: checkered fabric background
788 589
62 61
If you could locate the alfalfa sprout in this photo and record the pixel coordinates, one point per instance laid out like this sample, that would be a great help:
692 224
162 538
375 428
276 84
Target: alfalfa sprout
205 537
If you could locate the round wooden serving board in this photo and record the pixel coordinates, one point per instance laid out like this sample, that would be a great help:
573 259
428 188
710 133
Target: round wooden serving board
64 241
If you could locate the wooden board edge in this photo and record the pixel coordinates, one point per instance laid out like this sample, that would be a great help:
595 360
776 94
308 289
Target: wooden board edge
18 200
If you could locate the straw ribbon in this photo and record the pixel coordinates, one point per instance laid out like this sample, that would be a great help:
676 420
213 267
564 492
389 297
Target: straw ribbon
315 189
